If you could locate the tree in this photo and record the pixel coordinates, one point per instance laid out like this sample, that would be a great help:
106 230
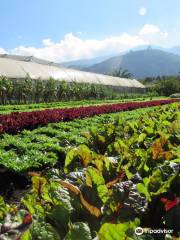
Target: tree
39 87
62 90
26 88
6 88
50 91
167 86
122 73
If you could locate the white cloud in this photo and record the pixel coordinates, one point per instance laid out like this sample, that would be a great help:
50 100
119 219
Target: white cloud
142 11
2 51
73 47
149 29
153 34
47 42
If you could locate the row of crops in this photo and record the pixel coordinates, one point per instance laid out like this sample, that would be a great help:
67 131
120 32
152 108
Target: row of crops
6 109
94 178
16 122
48 145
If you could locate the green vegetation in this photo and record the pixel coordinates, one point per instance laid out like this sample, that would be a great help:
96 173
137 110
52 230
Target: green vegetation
49 144
23 91
107 184
121 73
5 109
175 95
163 85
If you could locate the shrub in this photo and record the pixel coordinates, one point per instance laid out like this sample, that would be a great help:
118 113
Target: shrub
175 95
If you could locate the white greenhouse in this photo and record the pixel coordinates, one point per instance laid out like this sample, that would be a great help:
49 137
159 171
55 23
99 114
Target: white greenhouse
18 67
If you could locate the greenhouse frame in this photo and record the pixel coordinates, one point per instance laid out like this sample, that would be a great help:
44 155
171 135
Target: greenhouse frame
18 67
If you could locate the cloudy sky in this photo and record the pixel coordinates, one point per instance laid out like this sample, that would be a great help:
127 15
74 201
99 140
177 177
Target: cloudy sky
63 30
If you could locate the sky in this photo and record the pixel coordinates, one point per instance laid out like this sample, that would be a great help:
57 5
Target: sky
64 30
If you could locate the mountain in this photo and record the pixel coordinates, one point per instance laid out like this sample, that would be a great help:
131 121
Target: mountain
83 63
142 63
175 50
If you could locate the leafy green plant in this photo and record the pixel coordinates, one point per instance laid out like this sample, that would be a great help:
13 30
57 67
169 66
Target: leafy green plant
106 185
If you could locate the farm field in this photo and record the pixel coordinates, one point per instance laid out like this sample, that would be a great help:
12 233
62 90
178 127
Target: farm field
94 178
49 144
89 120
17 121
6 109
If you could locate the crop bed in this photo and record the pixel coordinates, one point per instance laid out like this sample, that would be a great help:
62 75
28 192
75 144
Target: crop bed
48 145
106 187
6 109
15 122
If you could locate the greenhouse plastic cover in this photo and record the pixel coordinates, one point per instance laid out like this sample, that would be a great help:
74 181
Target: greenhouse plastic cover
17 67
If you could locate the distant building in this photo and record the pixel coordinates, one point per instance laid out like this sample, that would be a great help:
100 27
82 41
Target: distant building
18 67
